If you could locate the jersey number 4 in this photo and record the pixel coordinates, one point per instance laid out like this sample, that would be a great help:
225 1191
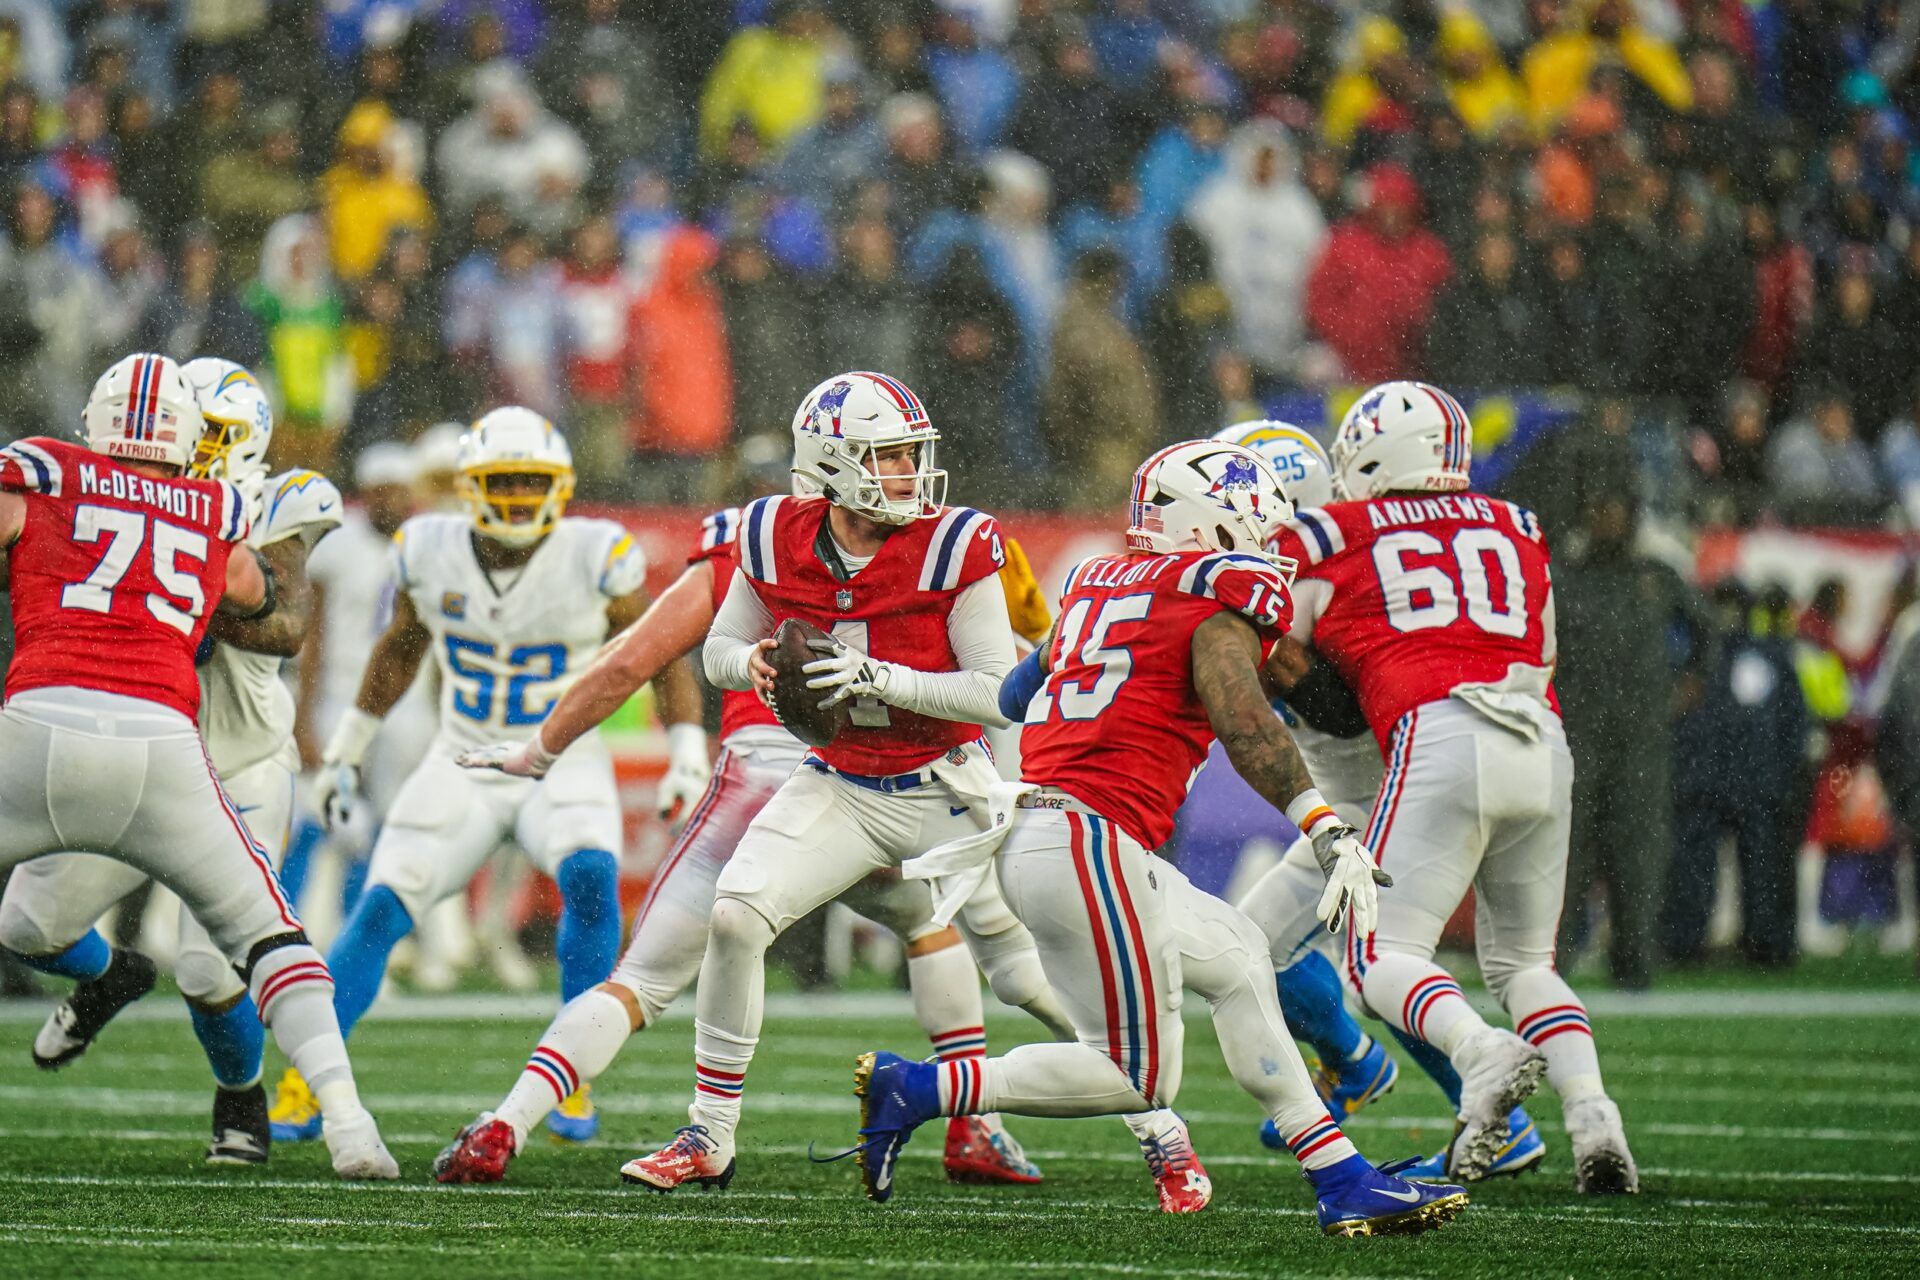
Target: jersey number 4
125 533
1082 646
1422 595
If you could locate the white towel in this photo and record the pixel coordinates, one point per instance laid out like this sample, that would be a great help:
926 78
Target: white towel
958 867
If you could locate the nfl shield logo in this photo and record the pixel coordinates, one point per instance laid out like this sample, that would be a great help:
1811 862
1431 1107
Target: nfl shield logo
843 599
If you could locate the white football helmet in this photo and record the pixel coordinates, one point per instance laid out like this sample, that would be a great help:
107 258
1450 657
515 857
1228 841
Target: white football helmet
839 428
1305 474
1207 495
239 424
142 410
1403 435
501 449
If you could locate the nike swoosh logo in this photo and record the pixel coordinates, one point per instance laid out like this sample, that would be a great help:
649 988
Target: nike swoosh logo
246 808
1405 1197
325 506
954 813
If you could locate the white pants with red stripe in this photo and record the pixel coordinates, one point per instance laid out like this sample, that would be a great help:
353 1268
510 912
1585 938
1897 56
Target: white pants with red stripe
669 932
54 900
128 780
1467 803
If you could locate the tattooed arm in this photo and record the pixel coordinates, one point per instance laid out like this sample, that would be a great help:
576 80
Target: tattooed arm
281 632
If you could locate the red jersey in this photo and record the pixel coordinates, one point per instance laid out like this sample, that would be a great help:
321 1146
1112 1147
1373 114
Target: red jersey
115 574
895 609
719 538
1119 725
1412 598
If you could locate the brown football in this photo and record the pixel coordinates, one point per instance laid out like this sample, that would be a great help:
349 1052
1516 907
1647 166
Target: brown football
798 706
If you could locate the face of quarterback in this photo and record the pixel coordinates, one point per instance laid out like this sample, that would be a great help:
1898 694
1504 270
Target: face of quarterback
896 460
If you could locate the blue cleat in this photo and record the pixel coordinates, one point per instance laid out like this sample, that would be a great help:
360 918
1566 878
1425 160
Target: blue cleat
896 1097
1346 1088
1353 1198
1524 1149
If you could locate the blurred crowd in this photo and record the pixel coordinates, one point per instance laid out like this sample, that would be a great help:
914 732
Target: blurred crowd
1079 227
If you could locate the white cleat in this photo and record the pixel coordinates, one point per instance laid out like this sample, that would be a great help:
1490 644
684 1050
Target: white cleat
358 1154
1602 1165
1498 1071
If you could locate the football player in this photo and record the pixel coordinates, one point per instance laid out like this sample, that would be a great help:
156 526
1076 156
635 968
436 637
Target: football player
669 934
1156 653
1435 604
116 563
1354 1067
513 599
246 717
908 588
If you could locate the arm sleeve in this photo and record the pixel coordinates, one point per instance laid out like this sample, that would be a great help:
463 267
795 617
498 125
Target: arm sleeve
1020 686
982 641
1310 597
742 622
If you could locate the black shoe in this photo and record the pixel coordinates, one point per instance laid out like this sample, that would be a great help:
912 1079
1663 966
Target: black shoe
241 1132
72 1027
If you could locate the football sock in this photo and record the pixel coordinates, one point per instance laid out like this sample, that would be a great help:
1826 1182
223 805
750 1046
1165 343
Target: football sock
588 941
581 1042
359 955
233 1039
1149 1125
1065 1078
1433 1062
720 1062
1315 1006
946 1001
1313 1137
84 961
729 1003
293 990
1420 997
1547 1015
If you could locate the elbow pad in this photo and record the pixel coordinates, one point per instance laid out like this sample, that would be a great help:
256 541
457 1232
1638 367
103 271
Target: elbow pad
1017 690
1322 699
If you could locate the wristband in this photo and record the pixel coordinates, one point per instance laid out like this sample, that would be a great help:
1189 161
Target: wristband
537 754
1310 811
685 741
352 737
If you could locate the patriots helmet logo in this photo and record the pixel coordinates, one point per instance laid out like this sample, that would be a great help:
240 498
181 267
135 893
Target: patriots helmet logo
825 417
1239 476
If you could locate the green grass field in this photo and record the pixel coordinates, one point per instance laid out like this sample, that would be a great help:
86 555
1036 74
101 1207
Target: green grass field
1778 1131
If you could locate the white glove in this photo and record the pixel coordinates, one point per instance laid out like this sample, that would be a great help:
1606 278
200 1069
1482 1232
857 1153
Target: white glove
527 759
688 770
848 672
336 791
1354 880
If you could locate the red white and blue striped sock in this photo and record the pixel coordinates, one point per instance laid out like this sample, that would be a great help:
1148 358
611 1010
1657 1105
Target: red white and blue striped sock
963 1084
1313 1137
720 1062
1420 998
576 1047
1547 1015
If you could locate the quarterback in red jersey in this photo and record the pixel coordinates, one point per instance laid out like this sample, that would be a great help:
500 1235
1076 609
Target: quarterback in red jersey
1157 652
669 933
115 562
1435 604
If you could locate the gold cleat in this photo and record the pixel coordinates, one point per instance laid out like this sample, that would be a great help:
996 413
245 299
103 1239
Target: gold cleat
1428 1217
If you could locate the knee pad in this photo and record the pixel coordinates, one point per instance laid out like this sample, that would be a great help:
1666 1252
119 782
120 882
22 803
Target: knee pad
206 978
22 933
590 883
736 924
1011 963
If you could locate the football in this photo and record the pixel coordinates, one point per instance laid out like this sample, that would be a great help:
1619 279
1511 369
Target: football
798 706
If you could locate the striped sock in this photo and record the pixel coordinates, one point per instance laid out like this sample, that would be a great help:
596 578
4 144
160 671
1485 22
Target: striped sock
961 1042
963 1085
579 1044
1420 998
1316 1143
720 1062
1548 1016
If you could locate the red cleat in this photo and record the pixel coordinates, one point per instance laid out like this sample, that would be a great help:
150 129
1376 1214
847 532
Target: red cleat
1178 1175
692 1156
479 1154
981 1151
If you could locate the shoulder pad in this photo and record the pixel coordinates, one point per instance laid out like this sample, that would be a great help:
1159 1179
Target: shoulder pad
1247 584
298 502
1318 533
964 548
1525 521
619 565
236 517
718 530
756 538
32 466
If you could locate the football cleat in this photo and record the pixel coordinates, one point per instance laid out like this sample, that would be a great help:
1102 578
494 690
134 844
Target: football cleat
1602 1165
1178 1175
478 1153
358 1154
1524 1150
896 1097
980 1151
1352 1198
295 1113
575 1120
241 1133
1498 1072
1345 1089
693 1156
71 1027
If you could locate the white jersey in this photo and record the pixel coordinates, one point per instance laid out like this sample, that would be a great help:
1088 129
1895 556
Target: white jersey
246 708
507 645
354 567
